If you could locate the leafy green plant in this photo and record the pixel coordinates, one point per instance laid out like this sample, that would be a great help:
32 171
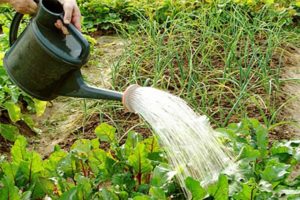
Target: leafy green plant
131 170
138 169
14 102
265 171
215 54
114 14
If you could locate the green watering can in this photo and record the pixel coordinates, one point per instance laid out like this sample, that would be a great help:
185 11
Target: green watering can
45 63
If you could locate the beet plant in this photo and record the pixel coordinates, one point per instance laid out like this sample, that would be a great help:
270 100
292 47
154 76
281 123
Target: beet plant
138 169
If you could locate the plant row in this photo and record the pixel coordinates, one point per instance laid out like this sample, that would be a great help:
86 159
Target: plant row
138 169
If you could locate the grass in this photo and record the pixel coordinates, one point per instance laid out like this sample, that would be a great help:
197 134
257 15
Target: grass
225 62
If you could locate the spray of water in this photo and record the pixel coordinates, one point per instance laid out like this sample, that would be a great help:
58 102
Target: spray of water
190 143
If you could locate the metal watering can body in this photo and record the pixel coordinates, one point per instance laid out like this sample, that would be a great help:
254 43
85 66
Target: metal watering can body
45 63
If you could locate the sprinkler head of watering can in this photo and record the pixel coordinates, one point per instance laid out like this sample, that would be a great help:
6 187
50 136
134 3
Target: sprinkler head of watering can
128 96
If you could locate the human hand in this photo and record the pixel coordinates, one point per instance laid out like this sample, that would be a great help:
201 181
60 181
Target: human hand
72 15
24 6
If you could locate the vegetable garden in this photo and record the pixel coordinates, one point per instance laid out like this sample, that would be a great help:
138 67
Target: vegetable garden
226 58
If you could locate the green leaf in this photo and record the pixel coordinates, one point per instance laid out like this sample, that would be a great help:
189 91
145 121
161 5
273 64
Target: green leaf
124 181
82 146
142 197
132 140
42 187
248 190
108 195
26 195
50 164
84 187
152 145
70 194
282 151
220 190
9 132
27 118
110 166
14 111
10 169
162 175
97 160
123 195
269 2
157 193
106 132
249 153
18 151
275 171
258 134
95 144
13 92
8 189
139 161
67 166
143 188
31 166
40 107
195 188
262 140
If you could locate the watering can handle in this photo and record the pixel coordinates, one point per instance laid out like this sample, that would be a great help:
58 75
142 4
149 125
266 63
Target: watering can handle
15 24
14 27
78 36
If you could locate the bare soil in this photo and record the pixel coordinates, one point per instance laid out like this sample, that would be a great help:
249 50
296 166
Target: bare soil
292 88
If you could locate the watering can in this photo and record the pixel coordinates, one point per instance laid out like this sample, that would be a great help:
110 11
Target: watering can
45 63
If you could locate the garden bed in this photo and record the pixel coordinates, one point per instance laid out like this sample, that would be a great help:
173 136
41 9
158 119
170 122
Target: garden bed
229 61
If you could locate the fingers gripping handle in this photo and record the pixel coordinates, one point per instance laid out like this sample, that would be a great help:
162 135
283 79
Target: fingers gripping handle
14 26
79 37
14 29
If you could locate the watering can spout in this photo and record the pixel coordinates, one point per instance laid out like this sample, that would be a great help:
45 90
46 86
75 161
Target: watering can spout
75 86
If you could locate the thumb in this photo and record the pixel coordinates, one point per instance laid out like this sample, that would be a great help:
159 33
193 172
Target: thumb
32 7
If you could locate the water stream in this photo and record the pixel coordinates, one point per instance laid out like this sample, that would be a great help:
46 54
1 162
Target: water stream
190 143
